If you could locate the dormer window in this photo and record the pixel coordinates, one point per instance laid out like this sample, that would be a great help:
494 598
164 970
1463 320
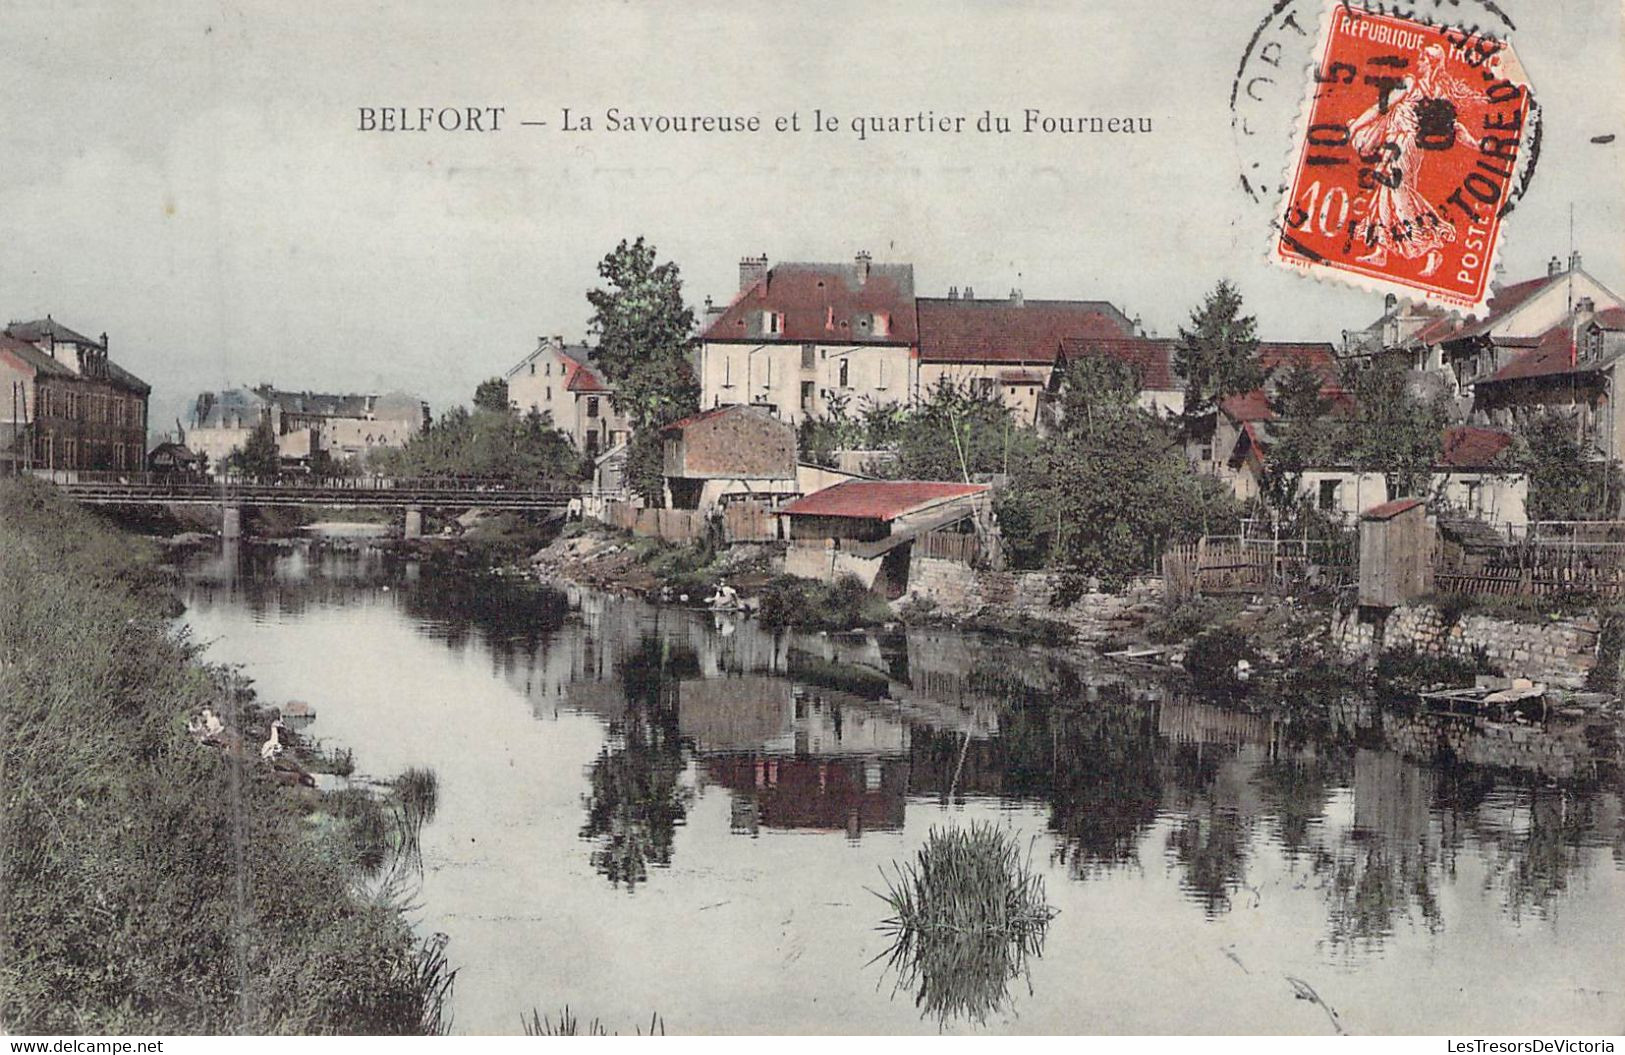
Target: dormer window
772 322
880 324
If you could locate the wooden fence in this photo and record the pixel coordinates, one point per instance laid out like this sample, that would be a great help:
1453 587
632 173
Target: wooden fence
740 522
949 545
1236 564
1540 566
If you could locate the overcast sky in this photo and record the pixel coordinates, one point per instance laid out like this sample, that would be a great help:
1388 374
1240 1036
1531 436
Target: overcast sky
187 175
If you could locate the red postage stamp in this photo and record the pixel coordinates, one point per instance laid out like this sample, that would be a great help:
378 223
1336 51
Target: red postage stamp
1414 141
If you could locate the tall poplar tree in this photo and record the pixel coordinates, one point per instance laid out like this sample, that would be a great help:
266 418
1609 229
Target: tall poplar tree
1217 354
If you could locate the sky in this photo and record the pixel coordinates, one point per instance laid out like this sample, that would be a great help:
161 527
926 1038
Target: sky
188 175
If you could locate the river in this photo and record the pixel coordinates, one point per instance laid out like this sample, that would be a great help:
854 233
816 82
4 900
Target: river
646 810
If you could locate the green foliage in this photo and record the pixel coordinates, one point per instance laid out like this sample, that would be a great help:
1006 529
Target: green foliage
489 444
968 913
1109 489
1217 354
1567 480
646 466
258 458
119 893
1301 436
842 605
643 330
1405 670
957 433
873 426
1397 432
492 394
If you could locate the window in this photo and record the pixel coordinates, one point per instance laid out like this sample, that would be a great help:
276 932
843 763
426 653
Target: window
809 358
592 406
549 393
846 377
1330 495
806 395
1474 491
772 322
532 369
984 386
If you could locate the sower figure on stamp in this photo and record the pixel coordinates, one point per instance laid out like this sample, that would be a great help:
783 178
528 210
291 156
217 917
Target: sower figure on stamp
1395 135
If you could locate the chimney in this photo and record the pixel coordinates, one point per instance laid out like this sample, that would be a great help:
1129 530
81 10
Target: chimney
863 259
953 292
752 269
970 294
1016 298
1574 260
558 341
1554 267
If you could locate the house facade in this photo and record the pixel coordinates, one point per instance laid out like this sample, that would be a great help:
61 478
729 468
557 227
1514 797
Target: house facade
728 454
1151 359
306 424
68 405
559 380
1005 347
1240 431
802 339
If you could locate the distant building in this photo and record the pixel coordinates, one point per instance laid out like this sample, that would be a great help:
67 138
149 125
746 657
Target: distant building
730 453
1151 359
172 457
1005 347
560 381
306 424
802 338
67 404
1241 425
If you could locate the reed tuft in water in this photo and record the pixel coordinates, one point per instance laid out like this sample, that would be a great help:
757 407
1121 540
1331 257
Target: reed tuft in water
567 1025
967 914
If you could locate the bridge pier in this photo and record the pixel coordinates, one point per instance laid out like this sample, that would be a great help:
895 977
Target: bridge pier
414 522
231 523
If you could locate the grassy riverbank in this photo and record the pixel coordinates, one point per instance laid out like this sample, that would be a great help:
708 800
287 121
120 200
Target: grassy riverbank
146 887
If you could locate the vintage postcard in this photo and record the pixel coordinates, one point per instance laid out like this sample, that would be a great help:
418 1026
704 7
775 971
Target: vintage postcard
1045 518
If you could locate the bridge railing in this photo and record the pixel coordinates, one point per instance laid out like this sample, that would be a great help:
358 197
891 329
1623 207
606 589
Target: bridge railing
232 483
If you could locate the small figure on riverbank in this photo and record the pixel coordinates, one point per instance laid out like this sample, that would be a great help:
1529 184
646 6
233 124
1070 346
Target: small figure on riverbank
206 726
725 597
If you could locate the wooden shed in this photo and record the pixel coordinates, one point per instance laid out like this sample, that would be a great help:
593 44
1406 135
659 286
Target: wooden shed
1396 553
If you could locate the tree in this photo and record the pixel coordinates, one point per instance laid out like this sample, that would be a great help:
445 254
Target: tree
958 433
490 444
1567 481
1397 432
1301 434
1217 354
1110 488
643 330
492 394
258 458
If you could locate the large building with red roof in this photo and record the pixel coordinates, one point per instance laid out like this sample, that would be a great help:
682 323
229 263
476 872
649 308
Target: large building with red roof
1006 346
800 339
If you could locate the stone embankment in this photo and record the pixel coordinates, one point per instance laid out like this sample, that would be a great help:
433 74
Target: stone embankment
961 592
1559 652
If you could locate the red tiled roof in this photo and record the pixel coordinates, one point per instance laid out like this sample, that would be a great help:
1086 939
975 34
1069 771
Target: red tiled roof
704 415
823 303
582 378
1437 330
1503 302
1552 354
1392 509
956 330
1611 318
1152 359
1468 447
878 499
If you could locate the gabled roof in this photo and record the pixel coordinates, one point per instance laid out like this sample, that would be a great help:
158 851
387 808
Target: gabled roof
1151 358
879 499
1469 447
41 362
718 412
1610 319
1553 353
1279 356
47 328
960 330
823 303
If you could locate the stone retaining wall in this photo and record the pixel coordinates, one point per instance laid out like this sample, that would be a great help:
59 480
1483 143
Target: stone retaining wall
1560 652
960 591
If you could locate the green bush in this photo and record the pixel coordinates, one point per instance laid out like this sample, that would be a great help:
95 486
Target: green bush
847 603
1213 655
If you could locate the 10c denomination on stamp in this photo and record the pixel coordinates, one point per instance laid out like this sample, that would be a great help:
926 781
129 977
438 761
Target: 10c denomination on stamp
1413 142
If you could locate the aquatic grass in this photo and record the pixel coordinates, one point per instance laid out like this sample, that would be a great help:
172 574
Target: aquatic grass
540 1025
967 915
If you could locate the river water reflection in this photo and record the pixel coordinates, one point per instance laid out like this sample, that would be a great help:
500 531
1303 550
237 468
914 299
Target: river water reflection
648 810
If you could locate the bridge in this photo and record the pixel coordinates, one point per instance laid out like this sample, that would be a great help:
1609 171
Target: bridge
231 493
